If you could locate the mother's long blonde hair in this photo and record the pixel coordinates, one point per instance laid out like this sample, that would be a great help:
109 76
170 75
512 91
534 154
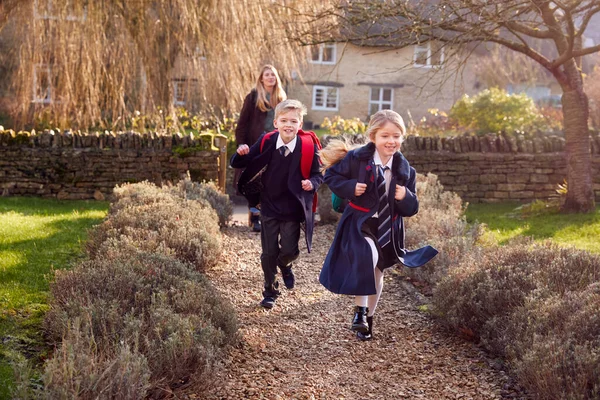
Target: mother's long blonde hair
278 93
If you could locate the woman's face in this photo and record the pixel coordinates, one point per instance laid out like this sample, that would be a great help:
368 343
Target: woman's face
268 79
388 140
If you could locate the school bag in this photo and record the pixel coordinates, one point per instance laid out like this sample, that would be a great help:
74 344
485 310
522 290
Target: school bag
338 203
308 141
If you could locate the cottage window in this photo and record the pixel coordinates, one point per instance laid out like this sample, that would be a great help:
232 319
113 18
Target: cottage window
428 55
325 98
179 87
324 53
42 85
380 99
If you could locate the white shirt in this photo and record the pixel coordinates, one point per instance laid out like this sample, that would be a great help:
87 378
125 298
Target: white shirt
388 172
291 145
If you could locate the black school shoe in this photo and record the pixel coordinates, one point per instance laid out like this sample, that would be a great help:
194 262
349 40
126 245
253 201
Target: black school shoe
359 322
288 277
269 296
367 335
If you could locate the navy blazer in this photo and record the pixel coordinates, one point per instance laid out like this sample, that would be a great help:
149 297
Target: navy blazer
348 267
256 161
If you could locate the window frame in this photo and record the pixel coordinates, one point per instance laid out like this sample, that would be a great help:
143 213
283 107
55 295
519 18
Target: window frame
324 106
176 89
419 48
321 51
48 99
380 102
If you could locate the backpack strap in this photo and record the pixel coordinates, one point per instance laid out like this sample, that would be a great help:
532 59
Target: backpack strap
264 139
309 140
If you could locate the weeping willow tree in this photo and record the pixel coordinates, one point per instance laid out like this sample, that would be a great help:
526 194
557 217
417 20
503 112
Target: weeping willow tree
85 64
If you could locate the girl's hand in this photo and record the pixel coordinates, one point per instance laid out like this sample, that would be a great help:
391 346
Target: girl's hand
400 192
243 149
307 185
360 189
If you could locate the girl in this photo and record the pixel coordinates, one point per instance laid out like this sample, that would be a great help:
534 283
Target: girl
380 186
256 118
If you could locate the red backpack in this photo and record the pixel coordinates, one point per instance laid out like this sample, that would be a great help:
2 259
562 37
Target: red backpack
308 140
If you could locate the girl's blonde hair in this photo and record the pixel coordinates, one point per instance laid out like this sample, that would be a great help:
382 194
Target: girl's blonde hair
278 93
380 118
337 148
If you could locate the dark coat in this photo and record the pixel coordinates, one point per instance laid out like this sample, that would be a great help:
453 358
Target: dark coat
255 161
348 267
251 124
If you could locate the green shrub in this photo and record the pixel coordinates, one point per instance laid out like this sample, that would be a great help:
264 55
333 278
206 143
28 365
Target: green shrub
440 223
207 193
536 304
158 307
494 110
79 369
558 355
188 228
135 194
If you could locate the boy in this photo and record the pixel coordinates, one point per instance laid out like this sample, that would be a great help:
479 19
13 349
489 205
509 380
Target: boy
287 197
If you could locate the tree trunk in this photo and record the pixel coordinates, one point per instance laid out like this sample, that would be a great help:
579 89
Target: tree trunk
580 195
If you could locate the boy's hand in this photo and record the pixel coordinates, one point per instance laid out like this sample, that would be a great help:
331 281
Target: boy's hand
243 149
400 192
307 185
360 189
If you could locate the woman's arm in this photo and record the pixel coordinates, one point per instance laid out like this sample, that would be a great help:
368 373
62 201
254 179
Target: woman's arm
241 131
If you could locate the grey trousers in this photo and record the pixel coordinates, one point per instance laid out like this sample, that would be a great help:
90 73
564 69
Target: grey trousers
279 240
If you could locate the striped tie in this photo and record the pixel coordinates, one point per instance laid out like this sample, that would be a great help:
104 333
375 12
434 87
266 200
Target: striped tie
385 217
284 150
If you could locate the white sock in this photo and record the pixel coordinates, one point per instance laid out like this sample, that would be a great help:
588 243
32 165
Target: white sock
372 300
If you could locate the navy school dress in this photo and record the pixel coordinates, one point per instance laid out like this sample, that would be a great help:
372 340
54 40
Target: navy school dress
348 267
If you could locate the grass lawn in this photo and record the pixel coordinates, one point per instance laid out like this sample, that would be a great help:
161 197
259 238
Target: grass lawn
36 237
579 230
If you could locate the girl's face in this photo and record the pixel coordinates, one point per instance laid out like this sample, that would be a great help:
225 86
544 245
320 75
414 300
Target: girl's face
268 79
388 140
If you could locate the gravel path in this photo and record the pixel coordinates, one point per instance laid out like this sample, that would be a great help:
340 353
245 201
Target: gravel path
303 348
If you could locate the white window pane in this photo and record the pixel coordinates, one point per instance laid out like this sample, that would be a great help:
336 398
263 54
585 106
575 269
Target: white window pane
387 94
332 98
374 94
314 53
386 106
319 98
373 108
328 53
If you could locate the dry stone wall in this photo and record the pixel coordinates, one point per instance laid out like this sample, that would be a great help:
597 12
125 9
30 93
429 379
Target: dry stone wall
71 165
495 168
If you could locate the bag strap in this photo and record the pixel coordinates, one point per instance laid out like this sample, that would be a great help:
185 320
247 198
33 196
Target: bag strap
362 171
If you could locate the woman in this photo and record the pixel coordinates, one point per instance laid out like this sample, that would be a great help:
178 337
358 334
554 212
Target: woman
256 118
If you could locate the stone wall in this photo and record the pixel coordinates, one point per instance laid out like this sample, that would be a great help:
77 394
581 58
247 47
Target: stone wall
495 168
70 165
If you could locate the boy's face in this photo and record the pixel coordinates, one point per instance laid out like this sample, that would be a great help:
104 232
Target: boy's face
388 140
288 123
